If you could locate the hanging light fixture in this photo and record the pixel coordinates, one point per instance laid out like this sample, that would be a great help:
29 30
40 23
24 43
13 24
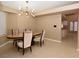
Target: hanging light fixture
25 11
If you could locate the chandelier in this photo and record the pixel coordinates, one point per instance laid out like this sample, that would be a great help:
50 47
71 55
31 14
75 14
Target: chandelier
26 11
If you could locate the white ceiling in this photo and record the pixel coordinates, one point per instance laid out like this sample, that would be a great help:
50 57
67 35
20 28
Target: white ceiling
37 5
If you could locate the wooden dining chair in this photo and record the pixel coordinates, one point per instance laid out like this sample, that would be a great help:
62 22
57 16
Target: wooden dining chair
40 38
26 42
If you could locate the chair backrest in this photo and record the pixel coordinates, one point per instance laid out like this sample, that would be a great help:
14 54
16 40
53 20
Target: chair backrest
27 39
15 31
42 36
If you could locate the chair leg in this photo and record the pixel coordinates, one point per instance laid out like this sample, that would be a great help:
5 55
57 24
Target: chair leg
23 51
13 42
30 48
41 44
18 48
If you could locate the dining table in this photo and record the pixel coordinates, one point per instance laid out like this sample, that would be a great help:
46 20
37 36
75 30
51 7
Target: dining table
19 36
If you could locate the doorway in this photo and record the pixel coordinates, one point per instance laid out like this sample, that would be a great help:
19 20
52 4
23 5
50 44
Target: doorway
70 29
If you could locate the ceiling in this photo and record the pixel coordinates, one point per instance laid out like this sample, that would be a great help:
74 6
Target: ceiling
37 6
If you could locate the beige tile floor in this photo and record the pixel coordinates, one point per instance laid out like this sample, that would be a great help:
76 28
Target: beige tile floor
66 49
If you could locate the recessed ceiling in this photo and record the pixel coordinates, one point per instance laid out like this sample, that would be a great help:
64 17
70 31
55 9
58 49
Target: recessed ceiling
37 5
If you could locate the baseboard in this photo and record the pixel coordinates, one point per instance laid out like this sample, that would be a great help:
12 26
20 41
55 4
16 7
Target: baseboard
3 35
53 40
5 43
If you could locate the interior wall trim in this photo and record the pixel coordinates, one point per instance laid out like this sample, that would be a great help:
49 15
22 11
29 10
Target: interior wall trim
59 9
3 35
53 40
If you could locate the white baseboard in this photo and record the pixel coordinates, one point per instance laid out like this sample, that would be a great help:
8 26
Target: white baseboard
3 35
5 43
53 40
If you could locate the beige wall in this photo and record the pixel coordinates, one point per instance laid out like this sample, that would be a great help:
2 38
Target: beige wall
15 21
47 22
26 22
11 20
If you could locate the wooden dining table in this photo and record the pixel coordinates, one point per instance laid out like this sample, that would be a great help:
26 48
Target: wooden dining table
19 36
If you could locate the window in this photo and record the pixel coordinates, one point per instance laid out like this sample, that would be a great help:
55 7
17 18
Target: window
73 26
2 23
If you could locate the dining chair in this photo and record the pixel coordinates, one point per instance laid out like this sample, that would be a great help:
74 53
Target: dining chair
15 32
40 38
26 43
